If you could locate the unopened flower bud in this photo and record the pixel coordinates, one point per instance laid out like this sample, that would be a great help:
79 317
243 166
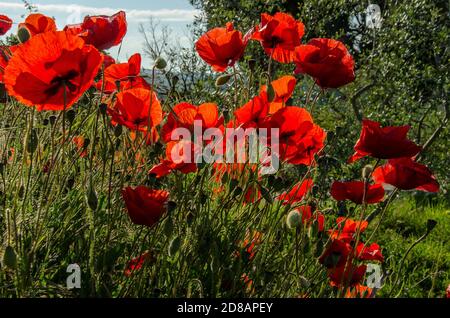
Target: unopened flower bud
367 171
431 224
222 80
23 34
10 258
252 65
70 115
294 219
103 107
160 63
33 141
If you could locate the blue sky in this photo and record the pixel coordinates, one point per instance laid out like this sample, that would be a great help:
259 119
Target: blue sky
174 13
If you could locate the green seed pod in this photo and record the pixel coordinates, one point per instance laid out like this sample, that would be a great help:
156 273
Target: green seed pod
160 63
10 258
23 34
222 80
174 246
293 219
118 131
33 141
367 171
318 249
92 199
21 192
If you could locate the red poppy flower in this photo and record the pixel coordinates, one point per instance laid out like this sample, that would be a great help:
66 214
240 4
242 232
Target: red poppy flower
448 292
101 31
137 109
406 174
56 75
252 241
297 193
347 275
283 89
299 138
336 254
79 143
383 143
354 191
369 253
221 47
279 35
327 61
185 114
145 206
136 264
37 23
5 55
5 24
124 75
108 61
180 156
347 229
254 113
359 291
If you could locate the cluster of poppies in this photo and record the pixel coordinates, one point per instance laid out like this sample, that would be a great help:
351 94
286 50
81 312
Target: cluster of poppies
65 64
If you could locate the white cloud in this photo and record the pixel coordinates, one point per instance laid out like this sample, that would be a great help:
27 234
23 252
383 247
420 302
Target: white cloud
174 15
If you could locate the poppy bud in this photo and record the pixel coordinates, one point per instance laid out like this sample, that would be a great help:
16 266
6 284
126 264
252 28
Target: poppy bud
252 65
237 191
118 131
431 224
171 206
70 115
294 219
222 80
367 171
23 34
10 258
168 227
189 218
32 141
103 107
86 142
160 63
21 191
174 246
92 199
52 119
70 183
